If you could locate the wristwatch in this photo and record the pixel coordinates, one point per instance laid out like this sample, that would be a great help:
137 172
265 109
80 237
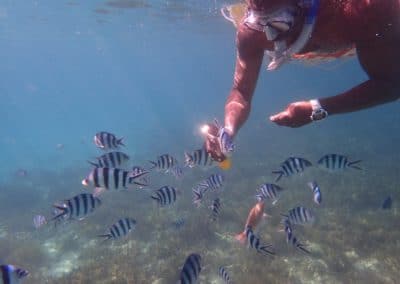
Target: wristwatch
318 112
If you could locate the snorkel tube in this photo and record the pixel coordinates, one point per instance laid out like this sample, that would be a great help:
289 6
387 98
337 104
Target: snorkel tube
281 52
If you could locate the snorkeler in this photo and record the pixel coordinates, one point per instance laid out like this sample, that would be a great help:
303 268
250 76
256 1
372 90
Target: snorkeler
285 30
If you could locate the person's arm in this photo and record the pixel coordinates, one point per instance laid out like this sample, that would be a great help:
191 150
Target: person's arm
249 59
381 61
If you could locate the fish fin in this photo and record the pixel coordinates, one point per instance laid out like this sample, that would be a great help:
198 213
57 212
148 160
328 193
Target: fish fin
280 173
61 214
105 236
241 237
154 165
119 141
93 164
352 165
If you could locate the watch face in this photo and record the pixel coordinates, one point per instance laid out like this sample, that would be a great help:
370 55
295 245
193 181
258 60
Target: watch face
319 114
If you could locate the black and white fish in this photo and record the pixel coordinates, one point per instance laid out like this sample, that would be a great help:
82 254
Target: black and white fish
39 221
177 172
191 269
120 229
200 158
300 216
316 192
197 196
291 166
224 275
112 178
269 191
10 274
164 162
111 160
387 203
166 195
225 140
287 228
213 182
292 240
136 170
334 162
107 141
178 223
254 242
78 207
215 209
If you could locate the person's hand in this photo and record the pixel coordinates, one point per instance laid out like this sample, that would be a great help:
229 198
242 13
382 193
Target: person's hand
211 142
295 115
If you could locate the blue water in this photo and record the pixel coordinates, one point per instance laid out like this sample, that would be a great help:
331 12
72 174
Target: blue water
153 73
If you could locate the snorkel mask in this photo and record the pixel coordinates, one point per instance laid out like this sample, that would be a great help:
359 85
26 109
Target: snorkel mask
279 23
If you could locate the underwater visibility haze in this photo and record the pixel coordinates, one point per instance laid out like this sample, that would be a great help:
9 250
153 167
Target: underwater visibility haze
143 77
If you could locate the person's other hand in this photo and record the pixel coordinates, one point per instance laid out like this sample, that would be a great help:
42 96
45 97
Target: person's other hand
295 115
211 143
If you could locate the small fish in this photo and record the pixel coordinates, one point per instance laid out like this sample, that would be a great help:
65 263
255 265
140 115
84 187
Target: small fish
254 218
112 178
191 269
254 242
164 162
166 195
316 192
287 228
300 216
269 191
177 172
39 221
178 223
291 166
77 207
225 140
224 275
387 203
215 209
213 182
120 229
199 158
111 160
107 141
291 239
336 162
10 274
197 196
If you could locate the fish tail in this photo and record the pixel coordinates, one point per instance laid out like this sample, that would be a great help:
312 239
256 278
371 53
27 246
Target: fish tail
105 236
61 214
119 141
241 237
280 173
154 165
352 165
264 249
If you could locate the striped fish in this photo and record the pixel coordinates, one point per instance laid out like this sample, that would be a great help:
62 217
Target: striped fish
164 162
10 274
191 269
199 158
254 242
215 209
291 166
197 196
177 172
120 229
112 178
78 207
317 196
336 162
166 195
269 191
213 182
111 160
292 240
224 139
224 275
107 141
300 216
